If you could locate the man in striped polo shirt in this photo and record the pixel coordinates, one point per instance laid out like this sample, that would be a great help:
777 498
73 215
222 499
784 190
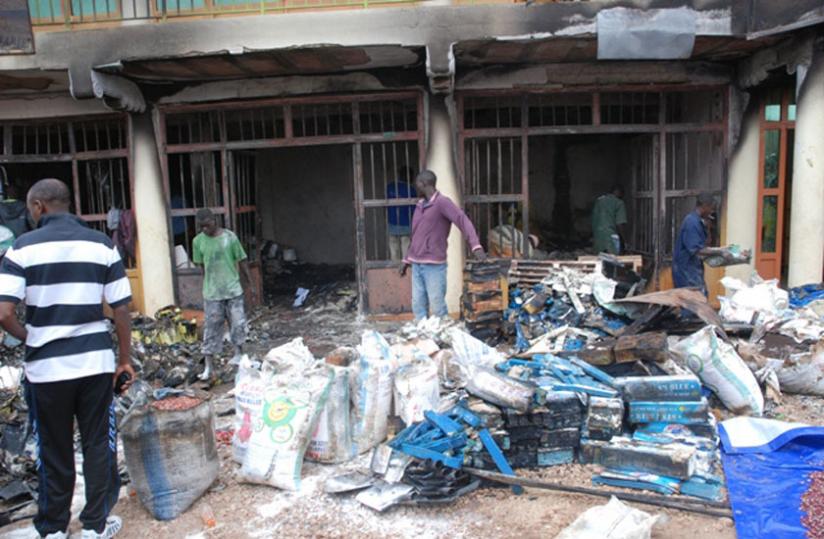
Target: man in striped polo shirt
64 271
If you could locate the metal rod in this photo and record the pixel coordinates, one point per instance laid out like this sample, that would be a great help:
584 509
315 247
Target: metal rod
125 195
710 508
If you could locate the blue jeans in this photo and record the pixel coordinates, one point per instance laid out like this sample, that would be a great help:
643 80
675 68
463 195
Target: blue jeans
428 290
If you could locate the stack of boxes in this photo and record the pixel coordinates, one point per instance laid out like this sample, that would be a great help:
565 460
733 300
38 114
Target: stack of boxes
485 296
671 447
545 436
605 418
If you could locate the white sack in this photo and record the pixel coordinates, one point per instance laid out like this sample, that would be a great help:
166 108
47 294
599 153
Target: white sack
615 520
721 369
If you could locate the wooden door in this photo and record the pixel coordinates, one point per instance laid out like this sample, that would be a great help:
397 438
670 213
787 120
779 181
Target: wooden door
774 176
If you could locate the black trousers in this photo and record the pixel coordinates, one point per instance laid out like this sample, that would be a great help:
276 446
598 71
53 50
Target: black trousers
53 408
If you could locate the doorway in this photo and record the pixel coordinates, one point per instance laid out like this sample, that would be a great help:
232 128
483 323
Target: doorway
305 203
537 161
777 130
318 176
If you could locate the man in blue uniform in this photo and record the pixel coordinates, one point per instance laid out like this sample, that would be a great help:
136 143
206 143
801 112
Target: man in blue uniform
691 248
400 217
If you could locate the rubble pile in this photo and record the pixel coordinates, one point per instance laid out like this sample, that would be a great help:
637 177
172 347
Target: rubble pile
594 372
561 311
588 381
598 373
166 348
18 473
313 287
785 348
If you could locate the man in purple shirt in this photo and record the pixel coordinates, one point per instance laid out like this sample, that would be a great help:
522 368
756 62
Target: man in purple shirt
434 216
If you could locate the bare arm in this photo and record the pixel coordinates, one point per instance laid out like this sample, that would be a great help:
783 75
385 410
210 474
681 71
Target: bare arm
123 330
247 277
9 321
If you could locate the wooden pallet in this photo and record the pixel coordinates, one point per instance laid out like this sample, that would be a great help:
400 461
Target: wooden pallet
531 272
637 261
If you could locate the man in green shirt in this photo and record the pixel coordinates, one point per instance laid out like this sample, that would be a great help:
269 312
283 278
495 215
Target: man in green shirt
609 222
220 253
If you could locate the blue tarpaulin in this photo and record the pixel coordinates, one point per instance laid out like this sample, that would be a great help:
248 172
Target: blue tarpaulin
801 296
768 464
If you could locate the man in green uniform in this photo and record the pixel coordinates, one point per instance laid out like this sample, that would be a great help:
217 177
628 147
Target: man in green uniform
609 222
220 253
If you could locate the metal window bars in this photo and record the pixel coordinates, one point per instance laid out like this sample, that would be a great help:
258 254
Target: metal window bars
97 150
384 131
687 154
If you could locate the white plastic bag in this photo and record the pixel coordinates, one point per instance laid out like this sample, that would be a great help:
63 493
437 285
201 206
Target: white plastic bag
331 441
721 369
743 302
291 408
371 391
250 384
615 520
470 350
293 355
802 373
417 389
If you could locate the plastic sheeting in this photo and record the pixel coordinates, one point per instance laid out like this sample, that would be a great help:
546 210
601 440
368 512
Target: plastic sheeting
801 296
650 34
744 301
767 464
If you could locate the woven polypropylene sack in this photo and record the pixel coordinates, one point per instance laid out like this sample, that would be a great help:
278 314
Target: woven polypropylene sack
171 456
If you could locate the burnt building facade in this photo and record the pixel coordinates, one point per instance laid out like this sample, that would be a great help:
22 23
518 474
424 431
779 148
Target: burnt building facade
294 121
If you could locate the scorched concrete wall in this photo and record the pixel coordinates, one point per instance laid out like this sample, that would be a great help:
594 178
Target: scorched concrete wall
742 193
306 201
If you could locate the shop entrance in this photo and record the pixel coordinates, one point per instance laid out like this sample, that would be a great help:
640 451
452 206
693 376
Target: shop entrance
317 190
536 162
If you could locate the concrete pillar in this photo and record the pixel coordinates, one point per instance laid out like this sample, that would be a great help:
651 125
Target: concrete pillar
440 159
807 219
150 213
742 193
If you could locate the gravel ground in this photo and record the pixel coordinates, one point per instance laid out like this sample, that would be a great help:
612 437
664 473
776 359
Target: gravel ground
252 511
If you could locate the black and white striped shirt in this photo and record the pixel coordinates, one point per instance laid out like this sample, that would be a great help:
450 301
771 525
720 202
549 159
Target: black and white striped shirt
64 271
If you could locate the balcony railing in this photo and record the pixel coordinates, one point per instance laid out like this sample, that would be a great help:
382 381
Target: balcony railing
85 12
